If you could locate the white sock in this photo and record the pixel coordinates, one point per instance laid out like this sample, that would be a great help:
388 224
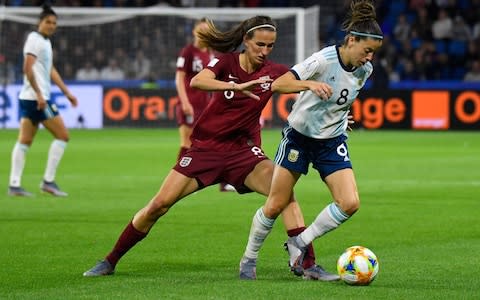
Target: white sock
54 156
261 227
329 218
19 154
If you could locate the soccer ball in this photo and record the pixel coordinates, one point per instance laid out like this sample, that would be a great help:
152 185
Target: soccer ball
357 266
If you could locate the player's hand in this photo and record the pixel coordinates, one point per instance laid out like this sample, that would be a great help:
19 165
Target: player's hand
247 87
350 122
322 90
72 99
187 108
41 103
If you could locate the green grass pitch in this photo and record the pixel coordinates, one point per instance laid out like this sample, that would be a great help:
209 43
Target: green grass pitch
419 213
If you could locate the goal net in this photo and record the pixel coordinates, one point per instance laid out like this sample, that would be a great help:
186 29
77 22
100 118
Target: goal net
97 35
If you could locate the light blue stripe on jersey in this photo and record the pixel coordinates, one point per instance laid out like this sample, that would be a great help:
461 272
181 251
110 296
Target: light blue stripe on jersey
282 147
337 214
331 54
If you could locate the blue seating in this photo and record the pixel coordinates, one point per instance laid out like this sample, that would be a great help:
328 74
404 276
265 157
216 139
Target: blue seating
458 73
416 43
440 46
398 7
457 48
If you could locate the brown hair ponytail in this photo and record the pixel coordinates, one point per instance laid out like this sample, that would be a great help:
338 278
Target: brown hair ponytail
361 21
231 39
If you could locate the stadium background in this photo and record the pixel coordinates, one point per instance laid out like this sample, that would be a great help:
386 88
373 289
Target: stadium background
420 79
419 209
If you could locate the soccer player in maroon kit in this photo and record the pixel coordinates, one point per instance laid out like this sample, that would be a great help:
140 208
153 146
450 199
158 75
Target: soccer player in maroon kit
190 61
226 141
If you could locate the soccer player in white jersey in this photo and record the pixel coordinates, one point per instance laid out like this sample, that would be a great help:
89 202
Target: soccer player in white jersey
36 107
316 132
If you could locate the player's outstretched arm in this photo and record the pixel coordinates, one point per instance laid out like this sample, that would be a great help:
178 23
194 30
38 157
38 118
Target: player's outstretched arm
205 80
288 83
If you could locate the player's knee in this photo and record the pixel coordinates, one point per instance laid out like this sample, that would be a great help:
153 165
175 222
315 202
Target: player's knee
156 209
350 205
273 210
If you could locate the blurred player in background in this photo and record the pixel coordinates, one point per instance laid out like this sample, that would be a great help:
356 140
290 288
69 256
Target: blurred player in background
36 107
330 80
226 141
191 60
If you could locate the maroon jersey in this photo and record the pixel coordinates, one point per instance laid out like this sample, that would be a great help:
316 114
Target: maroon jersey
192 60
231 119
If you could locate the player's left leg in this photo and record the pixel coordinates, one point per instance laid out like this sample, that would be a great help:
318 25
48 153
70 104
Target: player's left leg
343 188
60 133
174 187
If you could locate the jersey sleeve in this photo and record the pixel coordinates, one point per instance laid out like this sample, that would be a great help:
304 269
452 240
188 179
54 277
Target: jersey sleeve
315 64
184 59
218 64
32 46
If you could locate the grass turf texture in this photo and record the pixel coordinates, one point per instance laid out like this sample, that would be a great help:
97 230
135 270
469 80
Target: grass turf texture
419 214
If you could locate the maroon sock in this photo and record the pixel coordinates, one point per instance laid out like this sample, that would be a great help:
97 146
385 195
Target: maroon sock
181 152
309 259
129 237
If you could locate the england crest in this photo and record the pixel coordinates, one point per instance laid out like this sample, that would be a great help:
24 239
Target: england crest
185 161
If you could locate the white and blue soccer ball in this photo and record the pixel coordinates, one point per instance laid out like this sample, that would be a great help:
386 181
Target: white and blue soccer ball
357 266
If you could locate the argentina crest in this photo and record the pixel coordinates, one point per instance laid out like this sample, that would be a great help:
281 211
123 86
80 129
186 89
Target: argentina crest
293 155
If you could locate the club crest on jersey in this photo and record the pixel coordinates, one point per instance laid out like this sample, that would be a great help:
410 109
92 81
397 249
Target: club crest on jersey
265 86
293 155
185 161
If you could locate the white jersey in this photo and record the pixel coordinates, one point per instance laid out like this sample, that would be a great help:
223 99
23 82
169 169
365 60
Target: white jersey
39 46
323 119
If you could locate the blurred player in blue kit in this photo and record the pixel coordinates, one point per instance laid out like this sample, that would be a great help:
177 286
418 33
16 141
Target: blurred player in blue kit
316 134
36 107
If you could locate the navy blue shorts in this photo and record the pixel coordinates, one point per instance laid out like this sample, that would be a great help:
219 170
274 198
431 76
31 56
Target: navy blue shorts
28 109
296 151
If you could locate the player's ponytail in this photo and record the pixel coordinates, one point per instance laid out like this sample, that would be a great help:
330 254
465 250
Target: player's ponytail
230 40
361 21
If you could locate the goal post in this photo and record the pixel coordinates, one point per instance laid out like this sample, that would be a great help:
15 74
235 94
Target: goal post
98 34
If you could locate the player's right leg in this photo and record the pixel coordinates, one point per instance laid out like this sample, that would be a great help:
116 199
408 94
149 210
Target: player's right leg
27 132
174 187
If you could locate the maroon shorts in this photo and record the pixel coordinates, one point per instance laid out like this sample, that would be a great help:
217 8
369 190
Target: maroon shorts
211 167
